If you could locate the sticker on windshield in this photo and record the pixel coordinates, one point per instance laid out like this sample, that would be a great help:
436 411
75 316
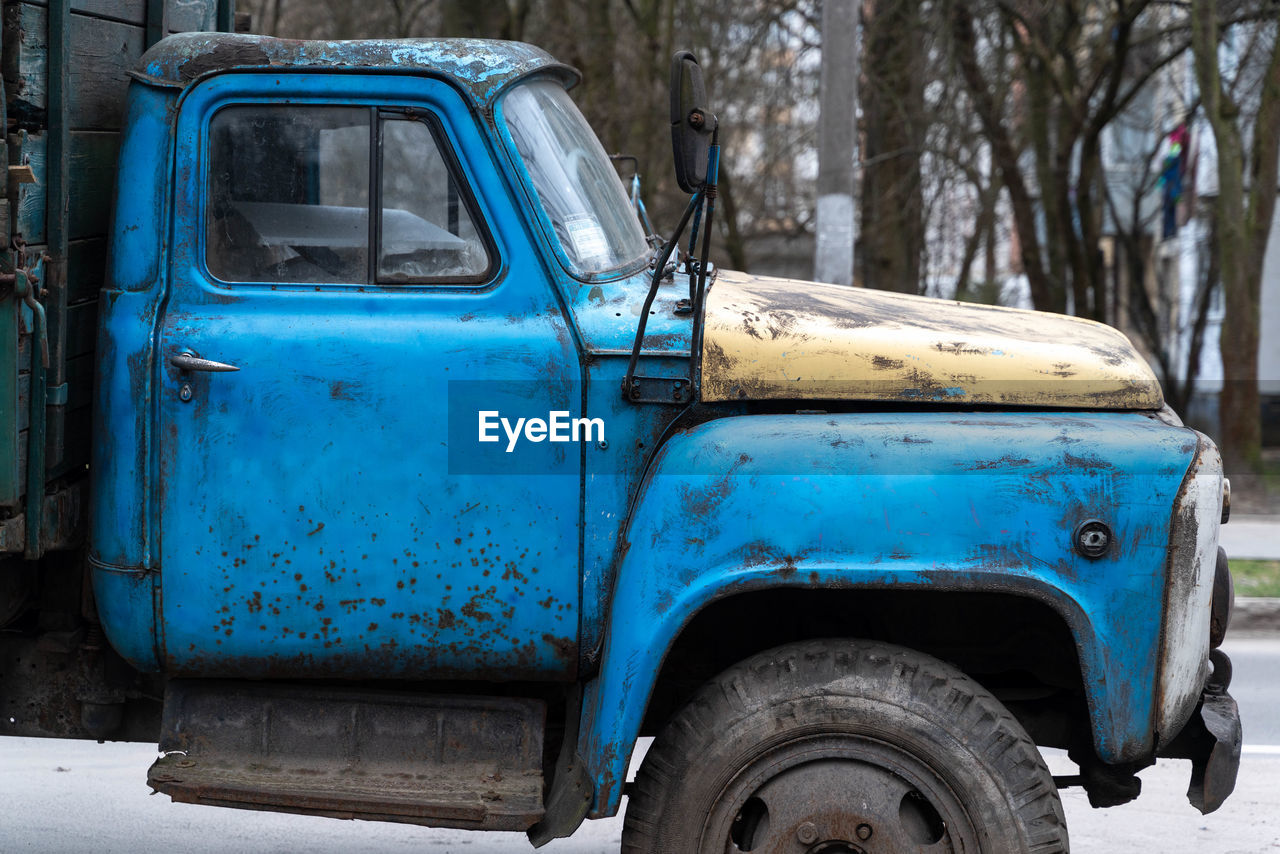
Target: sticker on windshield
587 237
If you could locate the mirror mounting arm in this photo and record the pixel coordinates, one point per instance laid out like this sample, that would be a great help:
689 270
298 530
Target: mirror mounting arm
630 390
695 139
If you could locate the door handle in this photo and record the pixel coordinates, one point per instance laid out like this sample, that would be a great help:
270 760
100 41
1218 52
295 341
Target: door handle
189 362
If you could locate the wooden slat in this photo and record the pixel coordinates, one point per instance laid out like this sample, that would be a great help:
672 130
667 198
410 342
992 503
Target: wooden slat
77 438
125 11
21 463
107 38
24 410
79 388
10 475
24 359
103 52
93 175
80 375
82 329
86 269
79 442
10 415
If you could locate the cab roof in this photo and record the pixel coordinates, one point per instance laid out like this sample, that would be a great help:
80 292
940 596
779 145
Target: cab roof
481 68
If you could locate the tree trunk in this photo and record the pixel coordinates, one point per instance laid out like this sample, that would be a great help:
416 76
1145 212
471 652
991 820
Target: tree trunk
1204 298
733 242
1052 177
644 118
1005 155
1087 273
892 109
1243 226
991 271
982 235
476 19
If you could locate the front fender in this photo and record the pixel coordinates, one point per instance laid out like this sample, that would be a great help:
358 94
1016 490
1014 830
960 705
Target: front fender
943 501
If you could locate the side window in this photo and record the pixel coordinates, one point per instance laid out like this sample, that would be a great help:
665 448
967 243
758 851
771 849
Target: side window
427 230
288 197
289 201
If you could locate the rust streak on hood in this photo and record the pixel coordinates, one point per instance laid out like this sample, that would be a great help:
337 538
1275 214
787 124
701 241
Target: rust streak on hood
780 339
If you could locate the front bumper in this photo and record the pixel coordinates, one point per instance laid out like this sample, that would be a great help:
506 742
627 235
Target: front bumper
1211 740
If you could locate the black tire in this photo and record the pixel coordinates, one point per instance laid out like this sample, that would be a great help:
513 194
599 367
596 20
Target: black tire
839 746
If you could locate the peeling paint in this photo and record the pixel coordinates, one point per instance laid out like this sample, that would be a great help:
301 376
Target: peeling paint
774 339
478 67
908 500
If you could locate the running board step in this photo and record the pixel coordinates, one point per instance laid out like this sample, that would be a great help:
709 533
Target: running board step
438 760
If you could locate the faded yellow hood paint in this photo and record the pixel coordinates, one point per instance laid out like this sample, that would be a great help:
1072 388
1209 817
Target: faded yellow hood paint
778 339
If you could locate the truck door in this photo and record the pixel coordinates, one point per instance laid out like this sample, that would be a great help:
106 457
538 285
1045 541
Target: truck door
355 258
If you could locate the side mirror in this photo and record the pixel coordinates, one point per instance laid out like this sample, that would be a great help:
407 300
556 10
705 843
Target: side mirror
692 124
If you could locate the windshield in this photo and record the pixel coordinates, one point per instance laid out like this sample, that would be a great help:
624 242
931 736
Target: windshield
573 178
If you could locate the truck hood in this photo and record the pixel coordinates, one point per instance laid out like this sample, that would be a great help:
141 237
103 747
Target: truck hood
780 339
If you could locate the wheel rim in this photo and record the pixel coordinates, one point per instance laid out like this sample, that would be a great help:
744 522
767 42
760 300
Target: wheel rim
838 794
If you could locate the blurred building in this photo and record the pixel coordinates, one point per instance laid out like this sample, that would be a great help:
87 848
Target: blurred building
1161 168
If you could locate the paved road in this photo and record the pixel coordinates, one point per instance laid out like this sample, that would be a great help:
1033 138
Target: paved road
1252 537
1255 684
74 796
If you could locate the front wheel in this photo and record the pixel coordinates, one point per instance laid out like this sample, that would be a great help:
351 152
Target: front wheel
843 747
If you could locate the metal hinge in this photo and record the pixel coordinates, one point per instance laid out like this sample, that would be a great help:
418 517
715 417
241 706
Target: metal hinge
657 389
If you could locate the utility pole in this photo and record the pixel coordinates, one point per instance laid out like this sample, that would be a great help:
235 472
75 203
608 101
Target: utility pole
837 136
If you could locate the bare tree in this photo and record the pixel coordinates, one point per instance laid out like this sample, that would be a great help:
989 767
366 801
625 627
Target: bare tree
1244 209
1079 64
1144 301
894 129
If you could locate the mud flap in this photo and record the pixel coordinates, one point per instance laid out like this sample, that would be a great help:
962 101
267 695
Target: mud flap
1213 776
1211 740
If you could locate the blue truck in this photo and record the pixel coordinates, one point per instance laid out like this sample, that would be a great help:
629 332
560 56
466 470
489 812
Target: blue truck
372 461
